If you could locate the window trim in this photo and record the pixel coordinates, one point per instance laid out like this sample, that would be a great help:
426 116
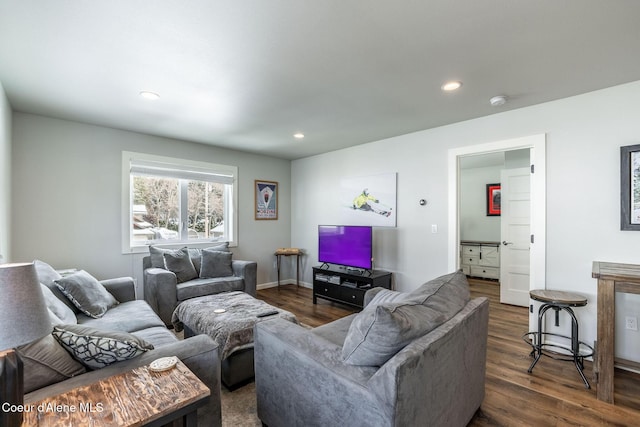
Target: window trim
199 167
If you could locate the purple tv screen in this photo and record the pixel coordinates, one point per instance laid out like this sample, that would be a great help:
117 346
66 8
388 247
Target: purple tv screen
348 245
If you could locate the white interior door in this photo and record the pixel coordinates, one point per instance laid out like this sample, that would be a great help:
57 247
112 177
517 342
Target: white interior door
515 222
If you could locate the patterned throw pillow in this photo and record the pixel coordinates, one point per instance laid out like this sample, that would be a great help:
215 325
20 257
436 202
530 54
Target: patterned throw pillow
95 348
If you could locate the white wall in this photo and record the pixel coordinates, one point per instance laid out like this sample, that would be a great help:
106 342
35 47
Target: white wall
584 134
5 177
67 192
474 222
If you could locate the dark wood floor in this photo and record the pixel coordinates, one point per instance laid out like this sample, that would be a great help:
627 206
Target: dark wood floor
553 395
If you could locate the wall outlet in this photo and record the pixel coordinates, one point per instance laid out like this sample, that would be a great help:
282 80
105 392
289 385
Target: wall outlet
434 228
631 323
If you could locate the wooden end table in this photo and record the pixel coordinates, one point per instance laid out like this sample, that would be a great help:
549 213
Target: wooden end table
139 397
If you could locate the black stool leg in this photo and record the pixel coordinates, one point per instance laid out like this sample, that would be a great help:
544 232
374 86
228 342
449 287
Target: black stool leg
575 346
537 348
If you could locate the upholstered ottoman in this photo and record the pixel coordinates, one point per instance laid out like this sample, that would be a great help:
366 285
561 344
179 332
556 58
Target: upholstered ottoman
228 318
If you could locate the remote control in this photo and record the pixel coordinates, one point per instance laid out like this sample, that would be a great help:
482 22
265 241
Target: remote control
267 313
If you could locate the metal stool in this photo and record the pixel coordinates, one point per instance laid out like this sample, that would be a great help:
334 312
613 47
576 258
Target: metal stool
558 300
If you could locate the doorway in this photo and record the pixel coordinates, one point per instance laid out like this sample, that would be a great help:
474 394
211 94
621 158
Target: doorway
536 229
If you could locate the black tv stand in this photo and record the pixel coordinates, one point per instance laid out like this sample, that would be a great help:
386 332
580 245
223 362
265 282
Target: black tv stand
341 286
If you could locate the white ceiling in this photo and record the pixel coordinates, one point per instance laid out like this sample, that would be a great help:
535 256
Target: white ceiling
249 74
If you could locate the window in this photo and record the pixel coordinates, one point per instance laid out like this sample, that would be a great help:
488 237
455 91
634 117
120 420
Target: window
168 200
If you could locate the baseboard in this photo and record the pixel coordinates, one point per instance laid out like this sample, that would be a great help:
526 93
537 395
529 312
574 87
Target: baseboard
283 282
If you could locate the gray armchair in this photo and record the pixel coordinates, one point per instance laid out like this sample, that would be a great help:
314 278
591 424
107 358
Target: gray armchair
163 291
437 379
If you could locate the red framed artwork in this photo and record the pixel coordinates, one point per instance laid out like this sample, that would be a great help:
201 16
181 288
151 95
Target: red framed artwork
493 199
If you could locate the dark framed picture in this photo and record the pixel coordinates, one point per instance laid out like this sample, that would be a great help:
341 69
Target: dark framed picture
493 199
630 187
266 199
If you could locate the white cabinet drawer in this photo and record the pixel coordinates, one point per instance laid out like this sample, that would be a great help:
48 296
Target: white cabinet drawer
470 259
469 250
488 272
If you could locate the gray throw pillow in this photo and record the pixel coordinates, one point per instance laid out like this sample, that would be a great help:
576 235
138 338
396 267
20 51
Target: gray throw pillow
155 255
86 293
394 319
196 254
95 348
47 276
45 362
216 264
59 308
46 273
457 287
180 264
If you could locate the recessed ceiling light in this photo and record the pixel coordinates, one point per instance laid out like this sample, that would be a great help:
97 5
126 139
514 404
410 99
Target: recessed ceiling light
452 85
149 95
298 135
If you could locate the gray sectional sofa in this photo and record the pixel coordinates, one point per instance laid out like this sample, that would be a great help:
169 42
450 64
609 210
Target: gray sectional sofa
407 359
213 272
47 374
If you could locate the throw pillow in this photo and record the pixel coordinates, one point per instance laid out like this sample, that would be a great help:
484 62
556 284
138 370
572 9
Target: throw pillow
47 276
46 273
457 287
86 293
393 319
59 308
155 255
95 348
382 329
45 362
216 264
180 264
196 254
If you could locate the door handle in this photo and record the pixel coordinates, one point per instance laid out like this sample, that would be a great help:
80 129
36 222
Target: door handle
504 242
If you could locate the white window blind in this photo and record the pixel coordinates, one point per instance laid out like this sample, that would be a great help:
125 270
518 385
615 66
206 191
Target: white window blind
162 169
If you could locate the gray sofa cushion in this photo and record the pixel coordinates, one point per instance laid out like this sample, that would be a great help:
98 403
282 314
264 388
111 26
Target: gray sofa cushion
86 293
130 316
336 331
57 307
46 362
216 264
95 348
157 336
201 287
393 319
180 264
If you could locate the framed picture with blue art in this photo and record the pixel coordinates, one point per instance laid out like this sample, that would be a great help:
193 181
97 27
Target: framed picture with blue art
266 199
630 187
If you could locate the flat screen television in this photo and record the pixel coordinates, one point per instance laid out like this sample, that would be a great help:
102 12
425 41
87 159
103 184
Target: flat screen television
348 245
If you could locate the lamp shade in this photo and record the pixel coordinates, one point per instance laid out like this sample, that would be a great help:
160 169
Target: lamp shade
23 313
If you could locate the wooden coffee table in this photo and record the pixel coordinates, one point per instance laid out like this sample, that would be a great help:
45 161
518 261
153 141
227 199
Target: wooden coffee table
138 397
